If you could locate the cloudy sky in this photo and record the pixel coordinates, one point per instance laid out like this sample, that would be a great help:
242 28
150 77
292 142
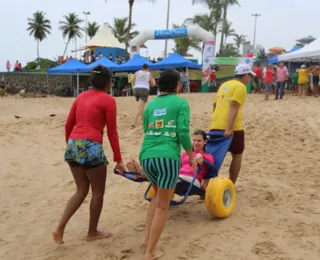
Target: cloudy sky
281 23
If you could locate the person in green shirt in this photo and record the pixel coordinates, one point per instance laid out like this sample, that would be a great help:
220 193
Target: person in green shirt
294 82
166 127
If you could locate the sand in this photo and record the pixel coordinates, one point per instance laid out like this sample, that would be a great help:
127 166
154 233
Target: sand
277 215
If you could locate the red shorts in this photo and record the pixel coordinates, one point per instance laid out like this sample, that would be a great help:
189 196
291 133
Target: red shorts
237 145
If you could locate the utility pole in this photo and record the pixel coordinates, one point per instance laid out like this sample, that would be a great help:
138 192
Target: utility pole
166 42
255 30
86 14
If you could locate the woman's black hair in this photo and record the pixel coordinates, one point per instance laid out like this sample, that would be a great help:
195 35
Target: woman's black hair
169 80
100 76
203 134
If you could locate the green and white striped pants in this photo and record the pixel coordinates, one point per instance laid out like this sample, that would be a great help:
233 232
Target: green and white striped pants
162 172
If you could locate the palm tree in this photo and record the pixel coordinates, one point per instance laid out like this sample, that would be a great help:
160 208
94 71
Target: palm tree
71 28
226 4
227 30
92 29
131 2
239 40
39 28
183 45
120 29
215 7
228 50
205 21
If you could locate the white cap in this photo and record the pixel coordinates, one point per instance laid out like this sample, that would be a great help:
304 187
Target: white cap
243 69
303 66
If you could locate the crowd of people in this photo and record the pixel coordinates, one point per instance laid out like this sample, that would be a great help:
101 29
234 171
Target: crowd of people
165 121
17 66
276 79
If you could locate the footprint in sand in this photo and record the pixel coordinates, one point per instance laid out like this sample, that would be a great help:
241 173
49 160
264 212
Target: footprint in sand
126 254
266 248
140 228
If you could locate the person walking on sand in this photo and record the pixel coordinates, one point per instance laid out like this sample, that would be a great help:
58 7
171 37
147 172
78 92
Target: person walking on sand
89 114
282 74
268 79
166 127
227 115
141 81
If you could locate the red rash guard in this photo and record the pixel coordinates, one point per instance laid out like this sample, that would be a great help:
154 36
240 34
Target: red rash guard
89 114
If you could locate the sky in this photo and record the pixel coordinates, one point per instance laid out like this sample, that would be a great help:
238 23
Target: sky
281 23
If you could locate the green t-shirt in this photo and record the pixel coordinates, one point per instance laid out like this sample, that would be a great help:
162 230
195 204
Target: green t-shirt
166 127
294 78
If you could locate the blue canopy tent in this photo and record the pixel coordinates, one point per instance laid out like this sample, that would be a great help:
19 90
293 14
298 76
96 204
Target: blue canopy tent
275 60
175 61
134 64
70 67
103 61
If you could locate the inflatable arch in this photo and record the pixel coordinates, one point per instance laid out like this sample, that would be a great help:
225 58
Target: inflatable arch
194 31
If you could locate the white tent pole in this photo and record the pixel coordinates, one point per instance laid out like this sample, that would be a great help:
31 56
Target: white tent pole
47 84
77 84
188 84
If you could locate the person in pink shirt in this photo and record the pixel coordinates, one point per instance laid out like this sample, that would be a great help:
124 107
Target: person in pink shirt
199 140
268 79
281 75
8 65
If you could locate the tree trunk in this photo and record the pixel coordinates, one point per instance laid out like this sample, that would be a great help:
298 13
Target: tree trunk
129 24
224 21
65 50
38 43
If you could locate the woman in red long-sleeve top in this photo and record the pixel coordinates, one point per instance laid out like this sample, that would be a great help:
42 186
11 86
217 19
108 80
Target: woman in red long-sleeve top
89 114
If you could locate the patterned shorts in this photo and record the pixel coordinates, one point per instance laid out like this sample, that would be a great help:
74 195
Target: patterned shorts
85 153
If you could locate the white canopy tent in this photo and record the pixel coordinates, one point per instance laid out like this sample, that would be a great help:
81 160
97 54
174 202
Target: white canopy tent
104 38
307 53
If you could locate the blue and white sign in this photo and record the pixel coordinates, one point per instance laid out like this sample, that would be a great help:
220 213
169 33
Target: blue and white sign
171 34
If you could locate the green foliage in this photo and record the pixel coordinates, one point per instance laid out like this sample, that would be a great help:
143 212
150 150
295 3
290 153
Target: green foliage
183 45
44 64
39 26
92 29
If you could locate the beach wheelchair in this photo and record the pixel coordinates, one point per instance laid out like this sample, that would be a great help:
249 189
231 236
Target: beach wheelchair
220 194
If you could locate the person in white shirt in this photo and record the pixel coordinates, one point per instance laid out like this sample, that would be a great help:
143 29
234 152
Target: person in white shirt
142 80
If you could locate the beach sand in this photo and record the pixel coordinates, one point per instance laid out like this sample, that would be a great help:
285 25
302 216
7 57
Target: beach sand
277 215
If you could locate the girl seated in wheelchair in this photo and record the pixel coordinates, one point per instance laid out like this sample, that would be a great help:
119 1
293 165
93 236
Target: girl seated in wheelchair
199 140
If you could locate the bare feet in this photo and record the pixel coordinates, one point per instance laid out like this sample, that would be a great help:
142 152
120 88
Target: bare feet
58 237
239 188
144 245
98 235
156 254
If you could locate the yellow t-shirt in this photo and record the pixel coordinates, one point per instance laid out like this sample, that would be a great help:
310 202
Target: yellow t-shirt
302 76
130 75
232 90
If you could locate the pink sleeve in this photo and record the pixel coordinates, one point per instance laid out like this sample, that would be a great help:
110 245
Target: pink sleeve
183 156
208 157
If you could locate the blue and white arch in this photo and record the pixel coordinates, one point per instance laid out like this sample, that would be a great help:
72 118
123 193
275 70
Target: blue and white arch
194 31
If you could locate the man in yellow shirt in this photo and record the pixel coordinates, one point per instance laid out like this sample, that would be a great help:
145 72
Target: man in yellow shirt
227 114
302 80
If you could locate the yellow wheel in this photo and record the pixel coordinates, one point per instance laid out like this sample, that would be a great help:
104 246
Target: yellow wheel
151 192
220 197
